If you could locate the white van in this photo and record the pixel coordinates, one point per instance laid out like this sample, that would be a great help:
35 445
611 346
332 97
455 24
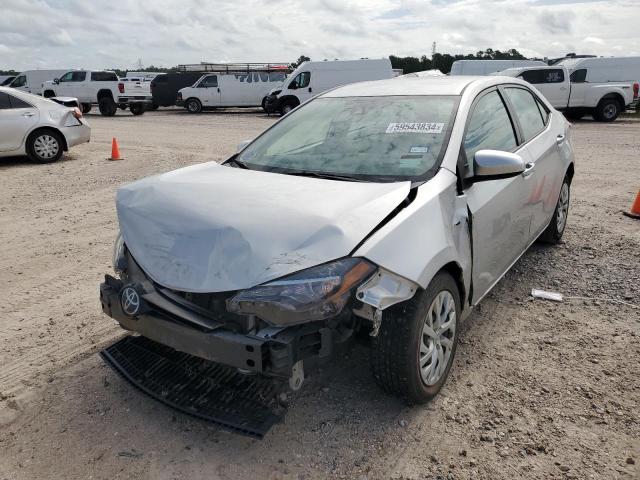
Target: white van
313 78
31 81
487 67
241 89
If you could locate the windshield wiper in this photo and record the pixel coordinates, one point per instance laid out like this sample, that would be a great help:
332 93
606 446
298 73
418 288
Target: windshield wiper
238 163
327 176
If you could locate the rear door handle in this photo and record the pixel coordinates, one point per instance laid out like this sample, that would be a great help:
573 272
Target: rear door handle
560 139
310 89
528 169
28 114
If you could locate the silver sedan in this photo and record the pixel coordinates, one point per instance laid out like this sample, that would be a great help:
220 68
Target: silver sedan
389 207
38 127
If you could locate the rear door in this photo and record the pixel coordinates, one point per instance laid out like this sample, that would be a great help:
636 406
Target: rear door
17 118
542 138
500 217
551 83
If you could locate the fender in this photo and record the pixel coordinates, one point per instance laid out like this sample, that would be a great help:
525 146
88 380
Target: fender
429 234
287 98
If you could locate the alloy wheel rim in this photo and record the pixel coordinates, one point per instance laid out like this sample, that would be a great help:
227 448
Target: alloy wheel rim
436 342
610 110
563 208
46 146
193 106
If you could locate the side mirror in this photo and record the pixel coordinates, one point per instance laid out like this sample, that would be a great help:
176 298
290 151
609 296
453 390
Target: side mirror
56 81
494 164
242 145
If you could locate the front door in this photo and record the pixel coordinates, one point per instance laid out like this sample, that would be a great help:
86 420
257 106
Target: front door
301 86
17 118
500 217
210 96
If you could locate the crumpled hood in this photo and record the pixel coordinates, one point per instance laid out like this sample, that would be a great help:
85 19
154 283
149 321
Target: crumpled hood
210 228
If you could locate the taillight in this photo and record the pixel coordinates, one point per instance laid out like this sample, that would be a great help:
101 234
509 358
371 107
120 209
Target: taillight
636 88
121 87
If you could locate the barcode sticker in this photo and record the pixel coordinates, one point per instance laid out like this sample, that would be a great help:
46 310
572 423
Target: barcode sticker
415 127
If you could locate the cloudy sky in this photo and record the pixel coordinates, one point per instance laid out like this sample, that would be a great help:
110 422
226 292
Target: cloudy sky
116 33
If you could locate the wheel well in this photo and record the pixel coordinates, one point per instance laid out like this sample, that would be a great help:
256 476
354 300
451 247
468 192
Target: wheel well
290 99
453 269
615 96
51 129
105 94
193 98
570 172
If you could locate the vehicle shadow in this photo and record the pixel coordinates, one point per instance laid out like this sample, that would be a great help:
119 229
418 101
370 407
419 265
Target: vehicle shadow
25 162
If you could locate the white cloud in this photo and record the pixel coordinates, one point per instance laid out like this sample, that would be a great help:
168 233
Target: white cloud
76 33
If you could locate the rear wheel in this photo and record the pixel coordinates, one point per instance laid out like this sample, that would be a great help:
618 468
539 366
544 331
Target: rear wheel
86 107
193 105
136 108
107 107
607 110
44 146
412 355
555 230
574 113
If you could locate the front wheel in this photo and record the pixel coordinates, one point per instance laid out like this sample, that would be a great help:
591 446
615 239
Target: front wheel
86 107
286 108
193 105
136 108
555 230
412 355
44 146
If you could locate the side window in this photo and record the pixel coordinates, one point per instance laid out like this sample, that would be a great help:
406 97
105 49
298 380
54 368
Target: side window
527 110
4 101
79 76
210 81
579 76
301 80
67 77
105 77
532 76
544 111
553 76
489 127
17 103
19 81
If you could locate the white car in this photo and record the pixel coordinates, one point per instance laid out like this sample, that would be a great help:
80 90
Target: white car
38 127
390 208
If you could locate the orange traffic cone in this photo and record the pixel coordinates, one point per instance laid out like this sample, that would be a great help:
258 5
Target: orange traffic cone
635 208
115 151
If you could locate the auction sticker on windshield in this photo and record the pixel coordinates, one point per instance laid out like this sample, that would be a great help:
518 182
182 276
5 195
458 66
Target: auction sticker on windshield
415 127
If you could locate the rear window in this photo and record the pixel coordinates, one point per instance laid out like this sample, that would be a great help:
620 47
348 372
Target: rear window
161 79
579 76
103 77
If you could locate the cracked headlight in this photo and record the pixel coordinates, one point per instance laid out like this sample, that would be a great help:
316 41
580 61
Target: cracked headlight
313 294
119 258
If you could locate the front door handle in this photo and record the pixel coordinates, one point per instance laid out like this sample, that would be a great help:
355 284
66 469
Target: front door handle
560 139
28 114
218 90
528 169
310 90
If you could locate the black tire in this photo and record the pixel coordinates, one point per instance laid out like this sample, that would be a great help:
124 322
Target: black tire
107 107
86 107
193 105
136 108
45 146
607 110
154 106
574 113
395 352
555 230
287 107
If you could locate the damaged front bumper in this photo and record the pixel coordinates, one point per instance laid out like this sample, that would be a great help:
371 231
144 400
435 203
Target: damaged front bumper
165 318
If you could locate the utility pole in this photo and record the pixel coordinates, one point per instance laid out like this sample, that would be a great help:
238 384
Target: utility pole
433 49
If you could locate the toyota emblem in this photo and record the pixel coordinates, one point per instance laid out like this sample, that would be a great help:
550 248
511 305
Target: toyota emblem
130 301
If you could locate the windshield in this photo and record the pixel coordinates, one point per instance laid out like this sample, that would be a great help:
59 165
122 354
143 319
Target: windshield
378 138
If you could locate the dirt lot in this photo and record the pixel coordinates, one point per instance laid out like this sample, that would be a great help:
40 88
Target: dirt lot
538 389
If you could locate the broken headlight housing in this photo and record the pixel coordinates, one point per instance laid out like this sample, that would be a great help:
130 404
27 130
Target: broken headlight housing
119 258
313 294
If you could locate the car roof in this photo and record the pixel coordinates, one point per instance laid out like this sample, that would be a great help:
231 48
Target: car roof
445 85
36 100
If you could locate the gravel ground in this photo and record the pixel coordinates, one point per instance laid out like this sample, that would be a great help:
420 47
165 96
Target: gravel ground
538 389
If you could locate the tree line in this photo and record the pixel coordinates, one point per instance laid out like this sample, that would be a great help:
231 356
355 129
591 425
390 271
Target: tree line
439 61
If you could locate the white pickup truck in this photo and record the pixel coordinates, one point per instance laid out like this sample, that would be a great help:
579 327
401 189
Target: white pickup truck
102 88
572 93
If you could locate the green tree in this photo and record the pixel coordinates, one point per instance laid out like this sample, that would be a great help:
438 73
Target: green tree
301 59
